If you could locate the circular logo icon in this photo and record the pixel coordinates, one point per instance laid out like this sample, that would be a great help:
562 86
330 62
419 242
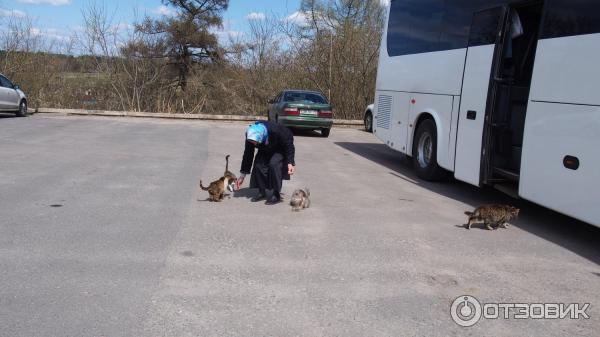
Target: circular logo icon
466 311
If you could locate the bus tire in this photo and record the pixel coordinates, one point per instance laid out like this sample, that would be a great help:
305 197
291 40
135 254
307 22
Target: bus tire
424 152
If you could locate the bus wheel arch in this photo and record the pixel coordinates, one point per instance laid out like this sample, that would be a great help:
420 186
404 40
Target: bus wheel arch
425 149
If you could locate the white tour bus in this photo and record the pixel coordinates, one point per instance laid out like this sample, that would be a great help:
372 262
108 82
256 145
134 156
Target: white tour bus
499 93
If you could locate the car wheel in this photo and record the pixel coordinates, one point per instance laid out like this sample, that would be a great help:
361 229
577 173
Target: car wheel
369 122
325 132
424 153
22 112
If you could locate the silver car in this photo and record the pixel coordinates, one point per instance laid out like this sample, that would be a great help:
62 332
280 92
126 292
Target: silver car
12 99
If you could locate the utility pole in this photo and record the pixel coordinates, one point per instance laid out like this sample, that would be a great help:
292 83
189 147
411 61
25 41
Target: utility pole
330 63
330 59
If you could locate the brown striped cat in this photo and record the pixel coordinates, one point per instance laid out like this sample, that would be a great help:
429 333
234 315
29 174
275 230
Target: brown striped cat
492 216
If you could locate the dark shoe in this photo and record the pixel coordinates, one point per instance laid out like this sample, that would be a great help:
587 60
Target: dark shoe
259 197
274 199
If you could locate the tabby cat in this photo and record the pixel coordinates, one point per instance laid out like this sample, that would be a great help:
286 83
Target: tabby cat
492 216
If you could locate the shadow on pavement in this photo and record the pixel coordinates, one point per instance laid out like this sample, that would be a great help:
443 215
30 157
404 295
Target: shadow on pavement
247 193
579 237
306 133
250 193
7 115
475 226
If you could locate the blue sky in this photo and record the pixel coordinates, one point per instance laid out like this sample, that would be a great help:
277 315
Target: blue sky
60 17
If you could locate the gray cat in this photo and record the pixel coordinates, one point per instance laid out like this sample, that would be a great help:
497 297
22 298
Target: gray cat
300 199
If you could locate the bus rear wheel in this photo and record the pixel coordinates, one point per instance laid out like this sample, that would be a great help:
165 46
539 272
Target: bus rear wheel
425 153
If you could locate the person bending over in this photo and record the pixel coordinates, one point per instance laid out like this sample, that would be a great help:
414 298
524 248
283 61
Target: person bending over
273 162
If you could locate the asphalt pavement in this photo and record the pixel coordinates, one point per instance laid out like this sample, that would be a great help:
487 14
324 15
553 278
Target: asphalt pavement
104 232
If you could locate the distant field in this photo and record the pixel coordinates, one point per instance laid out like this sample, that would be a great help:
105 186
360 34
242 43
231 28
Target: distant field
83 76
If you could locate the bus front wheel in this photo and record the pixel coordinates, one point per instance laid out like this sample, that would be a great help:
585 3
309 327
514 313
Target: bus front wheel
424 152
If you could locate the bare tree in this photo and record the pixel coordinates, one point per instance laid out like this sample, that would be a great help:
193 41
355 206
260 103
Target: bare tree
126 72
176 64
337 48
26 58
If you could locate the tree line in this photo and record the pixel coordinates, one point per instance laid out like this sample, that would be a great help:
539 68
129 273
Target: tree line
176 63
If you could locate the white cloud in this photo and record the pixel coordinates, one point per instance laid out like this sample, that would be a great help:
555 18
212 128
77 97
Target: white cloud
46 2
12 13
256 16
304 19
122 27
298 18
225 34
164 10
235 33
52 33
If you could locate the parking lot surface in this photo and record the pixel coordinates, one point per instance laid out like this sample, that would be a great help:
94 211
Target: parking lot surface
104 232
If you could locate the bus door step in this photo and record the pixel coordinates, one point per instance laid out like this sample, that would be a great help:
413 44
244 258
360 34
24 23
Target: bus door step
510 189
510 175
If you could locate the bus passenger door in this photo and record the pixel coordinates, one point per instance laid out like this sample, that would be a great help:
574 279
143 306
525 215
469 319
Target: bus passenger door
481 62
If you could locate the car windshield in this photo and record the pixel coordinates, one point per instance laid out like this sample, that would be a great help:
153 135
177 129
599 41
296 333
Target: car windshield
4 82
308 97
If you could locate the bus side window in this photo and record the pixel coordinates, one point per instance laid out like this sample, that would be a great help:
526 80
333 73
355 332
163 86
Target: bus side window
571 17
486 24
414 26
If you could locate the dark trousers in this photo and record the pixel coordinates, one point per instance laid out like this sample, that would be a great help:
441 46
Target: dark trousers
268 172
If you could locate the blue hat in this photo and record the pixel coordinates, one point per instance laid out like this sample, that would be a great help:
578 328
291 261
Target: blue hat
257 132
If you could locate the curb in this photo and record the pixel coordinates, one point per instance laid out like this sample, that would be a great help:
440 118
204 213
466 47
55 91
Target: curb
237 118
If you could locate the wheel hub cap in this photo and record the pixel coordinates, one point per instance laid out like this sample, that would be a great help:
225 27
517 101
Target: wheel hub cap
425 150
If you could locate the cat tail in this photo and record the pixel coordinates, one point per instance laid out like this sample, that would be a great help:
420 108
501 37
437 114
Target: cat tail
202 187
226 163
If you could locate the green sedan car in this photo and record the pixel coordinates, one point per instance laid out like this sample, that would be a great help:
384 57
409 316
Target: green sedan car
303 110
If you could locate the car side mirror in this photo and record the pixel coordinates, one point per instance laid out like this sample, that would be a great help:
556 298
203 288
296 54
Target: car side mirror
271 101
16 87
